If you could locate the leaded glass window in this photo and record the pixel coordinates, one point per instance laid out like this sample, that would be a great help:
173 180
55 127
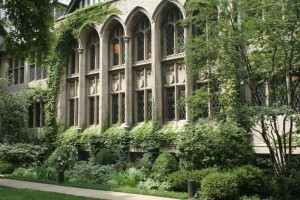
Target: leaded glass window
115 108
72 112
149 104
92 109
35 115
174 92
15 71
32 72
93 51
73 61
140 106
259 94
181 95
117 48
140 46
170 103
296 94
123 107
173 37
170 39
143 40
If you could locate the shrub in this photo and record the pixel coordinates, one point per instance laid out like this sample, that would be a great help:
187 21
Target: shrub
145 163
179 180
105 157
6 167
83 172
250 180
165 164
21 154
152 184
62 158
219 185
223 145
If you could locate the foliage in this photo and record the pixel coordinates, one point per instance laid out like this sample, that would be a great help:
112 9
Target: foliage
165 164
151 139
83 172
30 26
13 116
37 172
179 179
129 177
21 154
249 44
153 184
6 167
219 185
105 157
251 180
68 29
63 158
287 182
223 144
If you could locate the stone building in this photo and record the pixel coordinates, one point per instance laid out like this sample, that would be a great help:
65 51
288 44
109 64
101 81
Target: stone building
128 69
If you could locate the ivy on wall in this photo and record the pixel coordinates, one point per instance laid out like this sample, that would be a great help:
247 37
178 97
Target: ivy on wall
72 26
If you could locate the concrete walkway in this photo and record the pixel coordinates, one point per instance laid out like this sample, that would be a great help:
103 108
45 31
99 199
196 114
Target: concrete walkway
107 195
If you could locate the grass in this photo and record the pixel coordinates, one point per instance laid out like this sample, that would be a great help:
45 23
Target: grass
126 189
25 194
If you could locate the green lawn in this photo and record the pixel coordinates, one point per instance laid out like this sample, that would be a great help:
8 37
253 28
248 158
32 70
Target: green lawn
24 194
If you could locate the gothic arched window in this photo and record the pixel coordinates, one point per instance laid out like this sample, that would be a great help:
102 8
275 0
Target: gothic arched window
117 50
173 35
93 51
142 39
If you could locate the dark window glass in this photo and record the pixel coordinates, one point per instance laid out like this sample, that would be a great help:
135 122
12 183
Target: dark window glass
73 62
123 52
181 94
72 112
97 106
140 46
92 57
170 103
32 72
140 106
30 116
170 39
149 104
115 108
21 75
38 115
92 110
123 107
38 73
16 76
149 45
180 34
45 72
116 51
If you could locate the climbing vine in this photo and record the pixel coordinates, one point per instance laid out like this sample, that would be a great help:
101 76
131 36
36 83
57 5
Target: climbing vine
72 26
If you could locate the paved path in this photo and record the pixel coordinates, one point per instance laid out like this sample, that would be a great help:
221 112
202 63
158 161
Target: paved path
107 195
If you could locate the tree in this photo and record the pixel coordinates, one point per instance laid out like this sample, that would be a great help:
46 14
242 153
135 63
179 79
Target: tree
29 24
253 44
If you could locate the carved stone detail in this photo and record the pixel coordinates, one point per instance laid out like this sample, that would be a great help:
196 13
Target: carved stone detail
181 74
170 75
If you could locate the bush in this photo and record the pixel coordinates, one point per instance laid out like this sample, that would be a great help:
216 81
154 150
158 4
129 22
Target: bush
179 180
83 172
62 158
223 145
6 167
105 157
165 164
219 185
250 180
21 154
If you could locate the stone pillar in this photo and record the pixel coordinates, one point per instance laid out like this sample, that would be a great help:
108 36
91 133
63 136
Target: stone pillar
128 90
157 71
104 95
189 79
82 94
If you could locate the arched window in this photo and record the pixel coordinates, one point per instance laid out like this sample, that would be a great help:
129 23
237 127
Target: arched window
173 38
93 51
117 46
142 39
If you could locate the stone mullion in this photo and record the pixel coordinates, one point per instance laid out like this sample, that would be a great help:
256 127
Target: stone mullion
82 94
128 79
188 80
